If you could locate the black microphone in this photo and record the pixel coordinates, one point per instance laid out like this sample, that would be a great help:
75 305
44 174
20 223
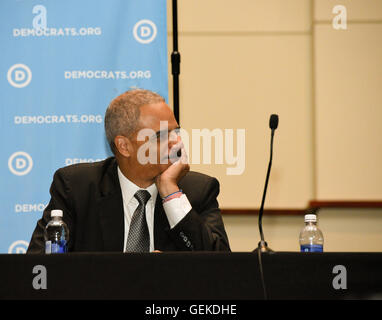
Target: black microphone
273 122
263 246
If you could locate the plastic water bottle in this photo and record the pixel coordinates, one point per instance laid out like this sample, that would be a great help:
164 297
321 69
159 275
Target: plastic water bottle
56 234
311 238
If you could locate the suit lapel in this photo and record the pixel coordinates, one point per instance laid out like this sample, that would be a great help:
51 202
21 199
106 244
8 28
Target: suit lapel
110 210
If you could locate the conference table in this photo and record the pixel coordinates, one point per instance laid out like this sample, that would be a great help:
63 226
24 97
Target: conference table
198 276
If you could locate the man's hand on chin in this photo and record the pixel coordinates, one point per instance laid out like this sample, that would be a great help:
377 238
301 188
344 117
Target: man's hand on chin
167 181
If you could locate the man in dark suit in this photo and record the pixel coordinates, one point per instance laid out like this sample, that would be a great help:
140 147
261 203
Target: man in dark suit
145 198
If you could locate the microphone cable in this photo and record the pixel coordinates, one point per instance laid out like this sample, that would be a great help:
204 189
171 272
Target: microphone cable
265 294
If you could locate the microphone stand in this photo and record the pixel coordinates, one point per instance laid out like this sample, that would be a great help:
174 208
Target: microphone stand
175 59
262 245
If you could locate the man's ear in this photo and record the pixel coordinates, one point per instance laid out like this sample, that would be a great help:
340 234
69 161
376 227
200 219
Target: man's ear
123 146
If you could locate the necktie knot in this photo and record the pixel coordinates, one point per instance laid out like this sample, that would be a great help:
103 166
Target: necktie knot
142 196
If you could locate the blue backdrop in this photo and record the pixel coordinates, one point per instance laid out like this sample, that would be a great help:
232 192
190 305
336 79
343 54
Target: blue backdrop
62 62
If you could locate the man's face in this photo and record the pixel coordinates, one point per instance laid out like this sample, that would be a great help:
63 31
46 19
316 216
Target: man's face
155 142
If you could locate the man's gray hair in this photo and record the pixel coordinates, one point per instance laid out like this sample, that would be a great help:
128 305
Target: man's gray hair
122 115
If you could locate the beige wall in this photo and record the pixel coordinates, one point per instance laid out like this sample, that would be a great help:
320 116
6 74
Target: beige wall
243 60
348 74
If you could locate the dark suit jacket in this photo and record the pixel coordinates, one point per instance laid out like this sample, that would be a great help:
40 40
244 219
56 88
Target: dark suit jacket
91 198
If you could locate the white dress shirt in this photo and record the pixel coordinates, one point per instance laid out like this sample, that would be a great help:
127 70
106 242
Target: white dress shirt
175 209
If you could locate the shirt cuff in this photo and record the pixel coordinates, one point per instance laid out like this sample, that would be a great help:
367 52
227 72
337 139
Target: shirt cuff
176 209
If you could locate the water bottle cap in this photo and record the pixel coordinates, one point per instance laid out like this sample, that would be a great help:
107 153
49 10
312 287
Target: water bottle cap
310 218
56 213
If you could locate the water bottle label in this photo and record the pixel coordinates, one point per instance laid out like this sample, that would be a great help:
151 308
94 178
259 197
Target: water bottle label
56 247
312 248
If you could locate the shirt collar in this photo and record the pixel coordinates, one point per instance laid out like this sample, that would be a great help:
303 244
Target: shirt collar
129 188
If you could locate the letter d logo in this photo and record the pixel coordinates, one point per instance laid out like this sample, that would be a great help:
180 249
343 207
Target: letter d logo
20 163
19 75
145 31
